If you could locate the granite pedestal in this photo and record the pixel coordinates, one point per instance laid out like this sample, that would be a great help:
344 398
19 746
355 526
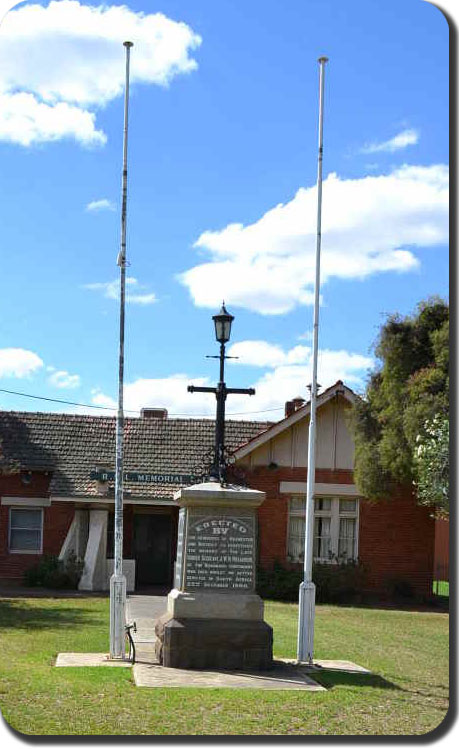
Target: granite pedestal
214 617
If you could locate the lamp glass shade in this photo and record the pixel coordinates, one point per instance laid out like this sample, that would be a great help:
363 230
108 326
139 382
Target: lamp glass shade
222 323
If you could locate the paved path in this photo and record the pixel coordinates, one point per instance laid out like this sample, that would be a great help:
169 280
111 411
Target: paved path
144 610
282 675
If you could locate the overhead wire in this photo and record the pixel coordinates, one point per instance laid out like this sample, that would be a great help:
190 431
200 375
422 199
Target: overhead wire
113 408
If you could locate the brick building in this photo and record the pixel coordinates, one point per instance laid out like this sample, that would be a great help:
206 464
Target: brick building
57 494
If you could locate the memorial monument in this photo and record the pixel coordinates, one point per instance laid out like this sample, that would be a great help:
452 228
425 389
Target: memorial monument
214 617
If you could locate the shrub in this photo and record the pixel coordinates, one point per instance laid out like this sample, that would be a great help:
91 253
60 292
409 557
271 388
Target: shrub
335 583
279 583
52 572
341 582
399 588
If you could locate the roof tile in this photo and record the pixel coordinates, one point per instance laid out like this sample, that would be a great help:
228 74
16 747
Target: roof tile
73 445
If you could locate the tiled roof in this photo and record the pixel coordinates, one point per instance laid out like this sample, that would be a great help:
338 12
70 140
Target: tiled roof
71 446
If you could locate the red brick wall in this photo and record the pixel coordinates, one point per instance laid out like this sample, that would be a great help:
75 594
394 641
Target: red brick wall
441 565
56 522
272 516
273 513
396 537
12 485
396 542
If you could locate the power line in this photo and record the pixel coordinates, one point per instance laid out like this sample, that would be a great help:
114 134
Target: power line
113 408
58 400
264 411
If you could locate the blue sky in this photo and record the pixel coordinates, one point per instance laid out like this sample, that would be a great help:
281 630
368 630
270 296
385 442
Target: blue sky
222 173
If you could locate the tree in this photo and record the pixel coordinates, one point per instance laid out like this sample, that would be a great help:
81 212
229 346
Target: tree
432 466
405 396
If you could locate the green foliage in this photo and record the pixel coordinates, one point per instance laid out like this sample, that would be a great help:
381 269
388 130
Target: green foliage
51 572
407 392
342 582
335 583
278 583
399 589
432 465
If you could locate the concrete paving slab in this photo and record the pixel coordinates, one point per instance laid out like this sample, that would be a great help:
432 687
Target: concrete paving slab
281 676
285 674
145 630
145 607
88 659
340 666
144 610
145 653
329 665
146 647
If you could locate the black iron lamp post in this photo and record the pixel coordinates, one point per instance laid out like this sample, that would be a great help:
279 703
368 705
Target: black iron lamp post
222 321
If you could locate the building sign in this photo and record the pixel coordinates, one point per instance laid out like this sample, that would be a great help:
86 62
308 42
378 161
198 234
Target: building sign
148 478
220 553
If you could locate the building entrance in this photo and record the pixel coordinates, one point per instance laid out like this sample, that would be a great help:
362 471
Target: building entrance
153 549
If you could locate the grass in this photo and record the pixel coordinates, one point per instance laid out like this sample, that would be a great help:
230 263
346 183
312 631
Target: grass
441 587
406 694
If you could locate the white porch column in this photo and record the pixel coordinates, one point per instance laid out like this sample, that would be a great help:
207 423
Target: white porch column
93 577
77 536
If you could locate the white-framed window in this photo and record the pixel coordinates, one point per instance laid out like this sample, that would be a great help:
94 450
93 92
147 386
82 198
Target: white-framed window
335 529
26 530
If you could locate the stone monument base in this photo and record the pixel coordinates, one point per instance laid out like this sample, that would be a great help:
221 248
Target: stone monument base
214 617
230 644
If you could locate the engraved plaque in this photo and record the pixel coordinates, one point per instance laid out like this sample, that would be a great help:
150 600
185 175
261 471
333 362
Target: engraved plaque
220 552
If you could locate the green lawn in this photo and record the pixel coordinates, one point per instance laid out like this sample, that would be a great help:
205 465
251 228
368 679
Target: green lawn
407 694
441 587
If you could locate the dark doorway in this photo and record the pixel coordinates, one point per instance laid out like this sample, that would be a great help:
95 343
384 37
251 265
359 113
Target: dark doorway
152 549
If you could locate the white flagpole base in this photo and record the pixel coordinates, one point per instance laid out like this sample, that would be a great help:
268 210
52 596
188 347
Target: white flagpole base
117 616
307 602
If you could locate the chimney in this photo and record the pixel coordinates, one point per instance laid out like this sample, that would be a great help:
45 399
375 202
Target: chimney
153 413
293 405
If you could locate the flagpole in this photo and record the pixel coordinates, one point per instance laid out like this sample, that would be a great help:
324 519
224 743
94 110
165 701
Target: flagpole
118 580
307 595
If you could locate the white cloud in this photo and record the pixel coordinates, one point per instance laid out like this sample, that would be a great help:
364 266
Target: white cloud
58 61
285 380
18 362
99 399
26 120
6 5
402 140
370 225
167 392
306 336
60 378
95 206
136 298
264 354
142 299
111 290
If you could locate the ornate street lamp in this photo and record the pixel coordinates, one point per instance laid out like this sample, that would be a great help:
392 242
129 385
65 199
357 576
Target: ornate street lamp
222 321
